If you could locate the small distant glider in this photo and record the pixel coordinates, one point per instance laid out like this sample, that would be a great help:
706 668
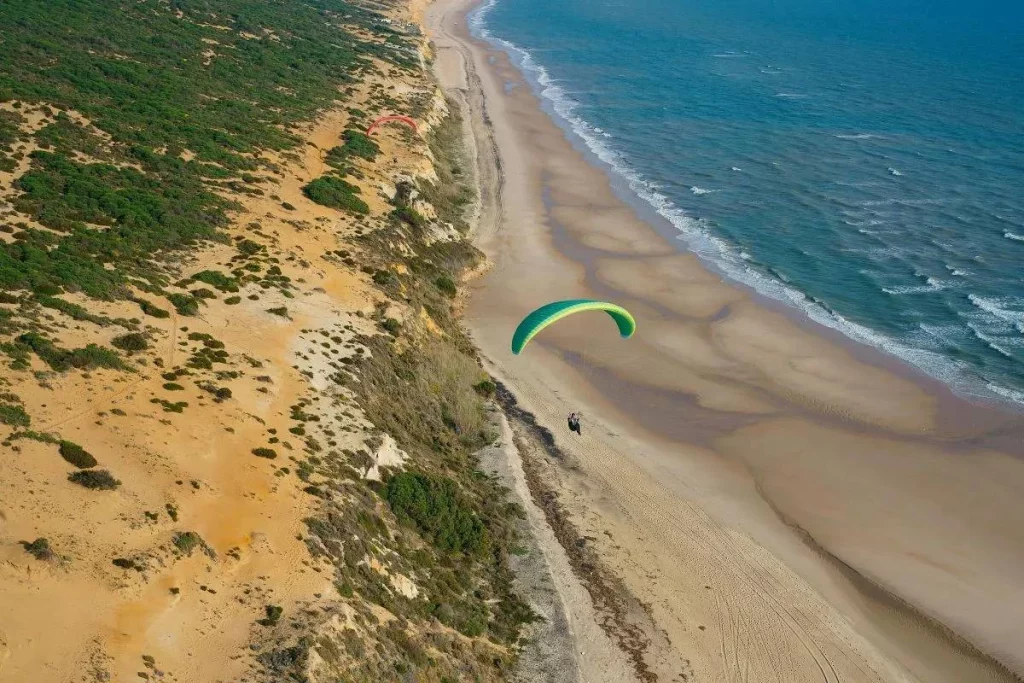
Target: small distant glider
556 310
391 117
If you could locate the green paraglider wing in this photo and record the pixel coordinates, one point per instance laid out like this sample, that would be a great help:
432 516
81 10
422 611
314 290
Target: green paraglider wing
556 310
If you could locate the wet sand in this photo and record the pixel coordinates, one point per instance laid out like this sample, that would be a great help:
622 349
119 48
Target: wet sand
790 505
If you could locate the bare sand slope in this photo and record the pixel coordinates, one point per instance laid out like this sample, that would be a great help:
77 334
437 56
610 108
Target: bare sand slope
752 480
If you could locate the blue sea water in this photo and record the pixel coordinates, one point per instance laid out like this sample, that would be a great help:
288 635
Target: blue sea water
860 159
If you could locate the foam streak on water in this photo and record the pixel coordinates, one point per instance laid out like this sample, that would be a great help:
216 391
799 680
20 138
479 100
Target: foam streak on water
861 197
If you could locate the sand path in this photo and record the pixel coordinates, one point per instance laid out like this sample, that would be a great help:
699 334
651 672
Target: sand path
742 472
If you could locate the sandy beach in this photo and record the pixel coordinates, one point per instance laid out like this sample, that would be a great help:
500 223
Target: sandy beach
781 503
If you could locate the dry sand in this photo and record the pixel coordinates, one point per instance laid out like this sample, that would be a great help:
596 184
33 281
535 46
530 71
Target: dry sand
788 506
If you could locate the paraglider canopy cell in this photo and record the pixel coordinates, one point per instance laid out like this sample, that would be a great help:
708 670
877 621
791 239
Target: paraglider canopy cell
391 117
556 310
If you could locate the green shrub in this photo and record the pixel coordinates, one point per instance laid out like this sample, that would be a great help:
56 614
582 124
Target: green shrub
72 310
274 613
232 300
447 286
355 144
268 453
128 563
203 293
336 193
61 360
287 206
169 407
14 415
171 386
43 288
76 455
152 310
100 480
383 277
187 541
392 326
185 304
249 248
280 310
485 388
409 216
133 341
39 549
217 279
436 508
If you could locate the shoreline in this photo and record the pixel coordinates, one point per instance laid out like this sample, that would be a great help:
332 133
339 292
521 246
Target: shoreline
622 186
717 474
951 396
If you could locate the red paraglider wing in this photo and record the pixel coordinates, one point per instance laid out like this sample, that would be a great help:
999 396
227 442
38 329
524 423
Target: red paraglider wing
391 117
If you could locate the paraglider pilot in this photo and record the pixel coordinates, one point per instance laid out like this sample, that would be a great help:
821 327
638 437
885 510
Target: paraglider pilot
574 423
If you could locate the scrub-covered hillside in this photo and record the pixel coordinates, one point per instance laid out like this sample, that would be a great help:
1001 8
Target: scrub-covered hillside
238 415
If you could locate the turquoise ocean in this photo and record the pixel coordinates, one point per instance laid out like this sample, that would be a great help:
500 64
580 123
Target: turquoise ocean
860 160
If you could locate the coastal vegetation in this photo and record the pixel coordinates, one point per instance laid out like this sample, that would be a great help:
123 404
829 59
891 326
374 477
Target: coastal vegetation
134 135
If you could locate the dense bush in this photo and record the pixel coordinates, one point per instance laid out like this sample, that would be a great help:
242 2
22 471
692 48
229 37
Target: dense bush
383 277
409 216
14 415
217 279
436 508
187 541
76 455
61 360
73 310
447 286
101 480
152 310
355 144
485 388
268 453
184 304
273 613
133 341
336 193
39 549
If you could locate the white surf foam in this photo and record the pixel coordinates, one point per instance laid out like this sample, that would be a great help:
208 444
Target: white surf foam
1011 236
931 285
999 309
700 190
856 136
1009 394
893 171
721 254
989 341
